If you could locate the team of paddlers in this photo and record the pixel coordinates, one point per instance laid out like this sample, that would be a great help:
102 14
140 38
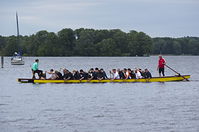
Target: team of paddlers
98 74
92 74
95 74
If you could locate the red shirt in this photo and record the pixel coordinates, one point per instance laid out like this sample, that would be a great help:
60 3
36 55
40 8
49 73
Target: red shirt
161 63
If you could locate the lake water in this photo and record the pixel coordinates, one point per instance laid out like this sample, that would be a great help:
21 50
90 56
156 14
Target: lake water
108 107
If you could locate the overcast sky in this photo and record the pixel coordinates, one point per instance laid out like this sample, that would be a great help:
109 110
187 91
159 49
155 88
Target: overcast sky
157 18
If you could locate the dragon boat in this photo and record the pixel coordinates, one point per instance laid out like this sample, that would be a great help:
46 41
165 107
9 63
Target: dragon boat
153 79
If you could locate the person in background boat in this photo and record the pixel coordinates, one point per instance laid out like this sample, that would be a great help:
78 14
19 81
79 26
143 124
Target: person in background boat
115 74
83 75
138 74
67 75
35 69
161 64
52 74
16 54
147 74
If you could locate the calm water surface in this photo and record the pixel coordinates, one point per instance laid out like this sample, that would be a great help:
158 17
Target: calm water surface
109 107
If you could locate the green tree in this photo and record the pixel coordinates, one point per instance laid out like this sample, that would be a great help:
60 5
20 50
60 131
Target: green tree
194 46
143 45
120 39
85 45
49 46
108 47
66 41
177 49
2 44
11 46
132 42
90 42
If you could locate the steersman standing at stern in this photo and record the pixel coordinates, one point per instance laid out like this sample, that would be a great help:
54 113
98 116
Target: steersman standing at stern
161 64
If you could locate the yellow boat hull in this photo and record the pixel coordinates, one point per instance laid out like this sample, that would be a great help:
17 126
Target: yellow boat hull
154 79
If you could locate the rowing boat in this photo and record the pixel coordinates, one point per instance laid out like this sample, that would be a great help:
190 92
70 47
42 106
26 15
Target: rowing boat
154 79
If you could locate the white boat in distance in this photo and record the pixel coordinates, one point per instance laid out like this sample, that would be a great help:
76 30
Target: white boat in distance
17 60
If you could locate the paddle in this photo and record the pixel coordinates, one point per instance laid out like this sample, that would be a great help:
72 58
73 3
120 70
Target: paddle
176 72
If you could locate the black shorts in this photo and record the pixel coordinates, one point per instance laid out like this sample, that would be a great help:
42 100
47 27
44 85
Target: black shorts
39 72
161 70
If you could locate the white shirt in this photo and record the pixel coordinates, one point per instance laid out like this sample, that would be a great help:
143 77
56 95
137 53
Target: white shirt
51 75
138 75
116 75
127 74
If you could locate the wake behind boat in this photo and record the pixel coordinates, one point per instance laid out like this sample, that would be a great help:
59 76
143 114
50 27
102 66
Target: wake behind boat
153 79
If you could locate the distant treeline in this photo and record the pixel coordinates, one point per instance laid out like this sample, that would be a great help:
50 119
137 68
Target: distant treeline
90 42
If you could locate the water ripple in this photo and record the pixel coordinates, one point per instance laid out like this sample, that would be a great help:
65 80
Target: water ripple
3 104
